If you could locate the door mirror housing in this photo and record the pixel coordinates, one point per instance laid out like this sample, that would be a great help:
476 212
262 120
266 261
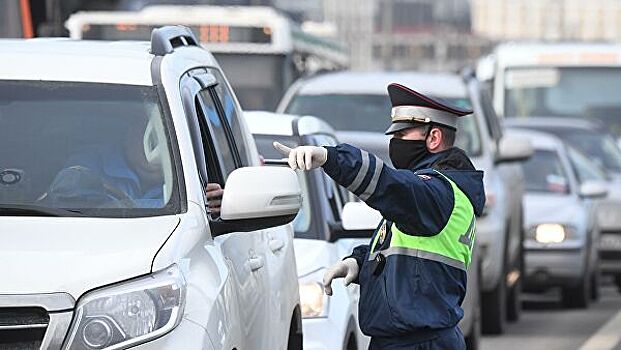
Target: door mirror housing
593 189
514 149
256 198
358 221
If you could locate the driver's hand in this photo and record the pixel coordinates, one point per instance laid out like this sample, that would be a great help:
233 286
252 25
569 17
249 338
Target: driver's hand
214 193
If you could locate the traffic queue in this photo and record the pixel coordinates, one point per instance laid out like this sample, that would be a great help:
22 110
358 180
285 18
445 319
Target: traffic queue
372 209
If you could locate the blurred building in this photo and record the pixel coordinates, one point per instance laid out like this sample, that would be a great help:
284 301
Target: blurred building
406 34
547 19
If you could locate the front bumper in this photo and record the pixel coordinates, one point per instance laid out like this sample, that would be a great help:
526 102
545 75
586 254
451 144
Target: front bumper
610 253
553 268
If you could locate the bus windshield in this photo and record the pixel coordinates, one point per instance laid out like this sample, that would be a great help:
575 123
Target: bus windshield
581 92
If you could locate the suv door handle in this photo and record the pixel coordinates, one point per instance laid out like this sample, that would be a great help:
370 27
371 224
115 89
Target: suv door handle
276 244
255 263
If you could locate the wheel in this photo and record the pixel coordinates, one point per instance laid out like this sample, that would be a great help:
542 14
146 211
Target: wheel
472 338
577 296
514 293
493 309
595 284
618 282
514 301
295 340
351 342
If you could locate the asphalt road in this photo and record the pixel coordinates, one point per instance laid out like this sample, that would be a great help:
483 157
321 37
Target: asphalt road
545 325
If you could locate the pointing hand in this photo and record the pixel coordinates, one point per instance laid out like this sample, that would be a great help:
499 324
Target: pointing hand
303 157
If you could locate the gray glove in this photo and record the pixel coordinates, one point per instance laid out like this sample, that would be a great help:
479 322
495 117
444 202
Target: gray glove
347 268
303 157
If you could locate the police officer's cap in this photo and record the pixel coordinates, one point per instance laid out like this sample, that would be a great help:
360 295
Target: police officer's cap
411 109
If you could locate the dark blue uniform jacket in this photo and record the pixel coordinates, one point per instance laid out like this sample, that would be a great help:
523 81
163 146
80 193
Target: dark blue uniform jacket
411 295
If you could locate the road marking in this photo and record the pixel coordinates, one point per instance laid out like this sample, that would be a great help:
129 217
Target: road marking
607 337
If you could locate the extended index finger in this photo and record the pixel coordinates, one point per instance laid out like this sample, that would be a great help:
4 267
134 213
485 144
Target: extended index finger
284 150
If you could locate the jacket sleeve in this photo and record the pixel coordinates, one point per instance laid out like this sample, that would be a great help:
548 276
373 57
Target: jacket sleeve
417 204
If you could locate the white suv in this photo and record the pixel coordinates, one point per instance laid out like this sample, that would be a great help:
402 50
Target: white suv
108 240
320 241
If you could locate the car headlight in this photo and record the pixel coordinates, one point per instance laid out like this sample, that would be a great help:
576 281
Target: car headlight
312 297
550 233
126 314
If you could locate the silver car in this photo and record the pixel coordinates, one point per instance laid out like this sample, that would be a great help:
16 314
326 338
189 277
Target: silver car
594 140
562 191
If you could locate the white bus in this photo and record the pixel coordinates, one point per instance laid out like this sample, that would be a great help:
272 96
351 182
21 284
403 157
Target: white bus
577 80
261 50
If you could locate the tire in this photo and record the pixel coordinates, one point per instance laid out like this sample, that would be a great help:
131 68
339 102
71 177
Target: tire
473 338
618 282
493 307
295 340
514 293
595 284
351 343
514 301
579 296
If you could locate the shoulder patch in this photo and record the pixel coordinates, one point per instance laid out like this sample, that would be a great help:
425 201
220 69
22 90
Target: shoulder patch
424 177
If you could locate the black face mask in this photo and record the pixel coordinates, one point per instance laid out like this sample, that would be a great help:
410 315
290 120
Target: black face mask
405 154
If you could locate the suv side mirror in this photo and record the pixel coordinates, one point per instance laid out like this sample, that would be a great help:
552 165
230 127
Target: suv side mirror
593 189
256 198
514 149
358 220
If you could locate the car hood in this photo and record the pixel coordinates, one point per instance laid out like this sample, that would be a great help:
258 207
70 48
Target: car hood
551 208
75 255
311 255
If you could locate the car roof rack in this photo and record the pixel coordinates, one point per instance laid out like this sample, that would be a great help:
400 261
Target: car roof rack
164 40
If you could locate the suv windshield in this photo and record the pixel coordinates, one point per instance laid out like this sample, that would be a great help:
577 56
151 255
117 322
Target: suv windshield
371 113
590 93
543 172
92 149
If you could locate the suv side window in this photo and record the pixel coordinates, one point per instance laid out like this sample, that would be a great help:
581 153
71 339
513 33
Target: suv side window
335 193
231 113
211 120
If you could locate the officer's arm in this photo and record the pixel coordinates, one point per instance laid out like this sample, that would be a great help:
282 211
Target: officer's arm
419 205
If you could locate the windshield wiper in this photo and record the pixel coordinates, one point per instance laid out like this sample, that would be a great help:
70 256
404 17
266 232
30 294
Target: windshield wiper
35 210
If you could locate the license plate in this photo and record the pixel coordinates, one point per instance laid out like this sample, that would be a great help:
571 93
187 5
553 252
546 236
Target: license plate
610 242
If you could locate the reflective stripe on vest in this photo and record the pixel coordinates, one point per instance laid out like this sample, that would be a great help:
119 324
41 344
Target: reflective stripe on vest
452 246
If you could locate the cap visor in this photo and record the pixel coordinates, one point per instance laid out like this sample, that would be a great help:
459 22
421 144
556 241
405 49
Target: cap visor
395 127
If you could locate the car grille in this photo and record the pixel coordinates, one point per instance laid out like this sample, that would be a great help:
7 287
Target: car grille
22 328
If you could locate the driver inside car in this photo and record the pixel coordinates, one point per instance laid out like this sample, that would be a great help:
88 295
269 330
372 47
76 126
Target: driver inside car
116 175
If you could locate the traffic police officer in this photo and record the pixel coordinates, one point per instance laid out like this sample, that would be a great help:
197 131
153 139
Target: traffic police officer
412 275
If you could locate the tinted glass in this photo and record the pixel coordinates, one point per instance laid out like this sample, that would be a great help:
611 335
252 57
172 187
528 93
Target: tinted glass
100 149
218 133
231 113
544 172
371 113
598 146
346 112
591 93
585 169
